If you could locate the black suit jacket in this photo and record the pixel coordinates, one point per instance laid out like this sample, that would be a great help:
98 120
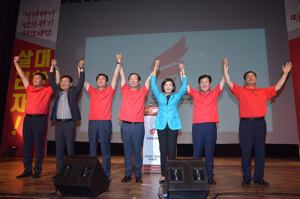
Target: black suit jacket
73 95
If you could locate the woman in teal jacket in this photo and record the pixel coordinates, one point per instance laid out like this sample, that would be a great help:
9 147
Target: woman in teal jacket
167 121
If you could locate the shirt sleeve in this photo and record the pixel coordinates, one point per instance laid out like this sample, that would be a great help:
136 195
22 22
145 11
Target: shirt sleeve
154 86
145 91
217 91
111 90
29 88
124 88
192 92
270 92
91 89
236 90
183 88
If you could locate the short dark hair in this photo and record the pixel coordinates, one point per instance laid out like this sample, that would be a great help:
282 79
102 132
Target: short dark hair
102 74
67 76
249 72
204 76
139 78
165 81
43 76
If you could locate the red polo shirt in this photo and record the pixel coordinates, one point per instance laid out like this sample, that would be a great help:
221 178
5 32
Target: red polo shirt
205 105
253 101
132 105
100 103
38 100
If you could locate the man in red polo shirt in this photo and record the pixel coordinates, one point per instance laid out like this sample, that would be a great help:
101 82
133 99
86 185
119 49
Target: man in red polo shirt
205 119
253 108
35 121
100 115
132 128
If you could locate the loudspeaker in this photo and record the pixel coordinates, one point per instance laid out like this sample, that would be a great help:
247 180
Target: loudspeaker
81 176
186 179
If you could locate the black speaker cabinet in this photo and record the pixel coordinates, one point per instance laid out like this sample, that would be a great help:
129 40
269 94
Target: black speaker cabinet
81 176
186 179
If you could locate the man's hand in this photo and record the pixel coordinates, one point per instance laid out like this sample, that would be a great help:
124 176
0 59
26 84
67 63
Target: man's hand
119 58
81 64
225 63
54 63
287 68
16 59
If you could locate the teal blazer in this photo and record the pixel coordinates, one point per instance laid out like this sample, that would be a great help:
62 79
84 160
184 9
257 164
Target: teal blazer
168 113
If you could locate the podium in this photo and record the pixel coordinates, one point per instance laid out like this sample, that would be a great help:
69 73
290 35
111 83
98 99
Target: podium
151 153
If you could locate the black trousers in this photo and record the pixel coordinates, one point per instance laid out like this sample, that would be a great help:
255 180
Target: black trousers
34 132
64 137
167 145
253 135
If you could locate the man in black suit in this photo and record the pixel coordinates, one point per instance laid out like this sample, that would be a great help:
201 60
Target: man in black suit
66 112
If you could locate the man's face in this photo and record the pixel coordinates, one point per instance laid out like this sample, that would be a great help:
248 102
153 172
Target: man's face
134 81
168 86
101 82
205 85
65 84
38 81
250 79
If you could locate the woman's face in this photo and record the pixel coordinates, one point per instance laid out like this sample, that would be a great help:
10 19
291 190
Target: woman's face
168 87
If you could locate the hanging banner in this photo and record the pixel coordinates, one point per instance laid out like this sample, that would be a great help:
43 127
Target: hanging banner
35 44
292 10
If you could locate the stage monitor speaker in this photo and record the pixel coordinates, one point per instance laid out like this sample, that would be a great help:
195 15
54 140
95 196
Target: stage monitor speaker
186 179
81 176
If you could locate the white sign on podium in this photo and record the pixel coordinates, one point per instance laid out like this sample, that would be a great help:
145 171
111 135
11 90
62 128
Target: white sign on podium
151 153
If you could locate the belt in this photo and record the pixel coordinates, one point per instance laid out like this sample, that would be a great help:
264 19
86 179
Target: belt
35 115
253 118
132 122
64 120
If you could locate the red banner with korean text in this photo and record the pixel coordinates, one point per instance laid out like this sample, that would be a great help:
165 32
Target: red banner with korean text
35 44
292 10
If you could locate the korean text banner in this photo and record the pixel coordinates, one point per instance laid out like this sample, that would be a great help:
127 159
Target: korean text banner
35 44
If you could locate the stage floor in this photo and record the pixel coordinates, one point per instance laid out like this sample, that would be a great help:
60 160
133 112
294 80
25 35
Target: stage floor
282 174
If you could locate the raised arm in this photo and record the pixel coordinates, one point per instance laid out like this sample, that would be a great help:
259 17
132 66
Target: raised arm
86 84
52 82
226 74
80 69
147 83
123 79
55 68
20 72
183 88
117 71
153 79
285 71
222 83
181 75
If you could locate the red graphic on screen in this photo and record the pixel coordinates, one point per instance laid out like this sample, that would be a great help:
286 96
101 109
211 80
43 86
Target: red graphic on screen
170 59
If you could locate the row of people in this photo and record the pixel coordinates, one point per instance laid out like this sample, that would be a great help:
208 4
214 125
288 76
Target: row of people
252 103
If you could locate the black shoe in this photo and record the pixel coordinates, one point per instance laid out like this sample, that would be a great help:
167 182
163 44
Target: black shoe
211 181
246 182
138 179
25 174
126 179
54 177
261 182
36 175
161 181
109 179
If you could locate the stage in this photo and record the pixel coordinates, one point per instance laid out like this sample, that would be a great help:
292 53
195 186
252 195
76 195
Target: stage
282 174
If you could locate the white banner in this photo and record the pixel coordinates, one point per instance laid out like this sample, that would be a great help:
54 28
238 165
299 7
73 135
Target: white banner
151 153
